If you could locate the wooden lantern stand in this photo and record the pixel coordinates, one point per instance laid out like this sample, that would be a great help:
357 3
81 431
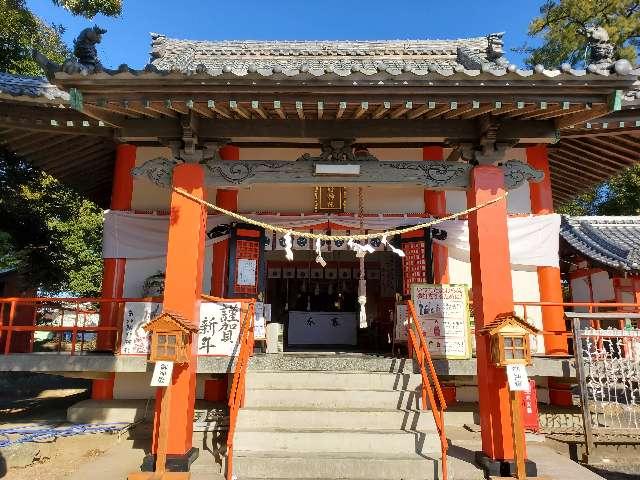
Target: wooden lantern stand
170 342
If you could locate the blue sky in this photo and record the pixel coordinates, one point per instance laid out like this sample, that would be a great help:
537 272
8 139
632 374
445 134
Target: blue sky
127 40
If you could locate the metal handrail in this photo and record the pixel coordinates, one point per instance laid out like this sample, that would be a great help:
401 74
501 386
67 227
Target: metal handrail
419 347
237 392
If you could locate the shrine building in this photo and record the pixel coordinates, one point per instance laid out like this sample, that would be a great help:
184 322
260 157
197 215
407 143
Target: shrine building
324 141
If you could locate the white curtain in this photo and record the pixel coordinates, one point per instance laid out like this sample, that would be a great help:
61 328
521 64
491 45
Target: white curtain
533 240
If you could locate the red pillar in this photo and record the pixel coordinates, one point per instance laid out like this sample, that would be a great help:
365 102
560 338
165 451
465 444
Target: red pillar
548 277
492 295
227 199
183 287
113 268
435 203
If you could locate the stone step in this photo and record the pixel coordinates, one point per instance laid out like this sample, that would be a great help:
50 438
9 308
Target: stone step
331 399
331 362
333 380
250 419
274 465
345 441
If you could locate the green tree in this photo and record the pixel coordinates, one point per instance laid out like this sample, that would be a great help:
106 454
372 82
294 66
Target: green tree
47 230
562 25
562 28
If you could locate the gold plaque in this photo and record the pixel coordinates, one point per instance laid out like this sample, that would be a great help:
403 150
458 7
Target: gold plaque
329 199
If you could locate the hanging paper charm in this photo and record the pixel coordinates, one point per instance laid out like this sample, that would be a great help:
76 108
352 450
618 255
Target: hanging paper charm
319 258
288 245
395 250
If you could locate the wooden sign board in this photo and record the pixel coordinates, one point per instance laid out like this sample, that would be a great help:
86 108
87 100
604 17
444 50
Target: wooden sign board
443 313
329 199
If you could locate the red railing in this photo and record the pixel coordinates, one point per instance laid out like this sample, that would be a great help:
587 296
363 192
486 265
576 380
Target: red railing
418 348
21 318
237 392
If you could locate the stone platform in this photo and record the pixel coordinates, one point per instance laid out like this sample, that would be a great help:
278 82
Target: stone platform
98 366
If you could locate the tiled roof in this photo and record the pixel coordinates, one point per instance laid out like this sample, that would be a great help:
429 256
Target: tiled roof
611 241
32 87
317 57
470 57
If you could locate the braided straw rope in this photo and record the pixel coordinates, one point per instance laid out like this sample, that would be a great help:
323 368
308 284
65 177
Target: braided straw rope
315 236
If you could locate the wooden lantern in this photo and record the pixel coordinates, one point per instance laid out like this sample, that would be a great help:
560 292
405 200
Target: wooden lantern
170 337
510 340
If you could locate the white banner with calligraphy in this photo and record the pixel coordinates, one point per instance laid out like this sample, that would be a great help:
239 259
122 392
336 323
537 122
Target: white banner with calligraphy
135 341
443 313
218 334
219 328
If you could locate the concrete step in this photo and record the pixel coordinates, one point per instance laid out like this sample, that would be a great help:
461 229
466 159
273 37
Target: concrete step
250 419
333 380
304 442
331 399
274 465
331 362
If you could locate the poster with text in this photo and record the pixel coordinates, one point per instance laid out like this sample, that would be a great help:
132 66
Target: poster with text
135 340
260 323
219 328
443 313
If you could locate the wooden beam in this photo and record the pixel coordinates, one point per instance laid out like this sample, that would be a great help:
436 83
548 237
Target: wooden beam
239 109
580 155
255 106
633 152
139 108
401 110
121 108
436 112
56 129
104 115
582 117
361 110
392 130
381 110
200 109
561 163
160 108
342 106
320 109
300 109
587 145
458 111
421 110
50 141
277 107
176 106
219 109
476 112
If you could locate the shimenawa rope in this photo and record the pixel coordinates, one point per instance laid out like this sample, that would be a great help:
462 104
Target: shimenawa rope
315 236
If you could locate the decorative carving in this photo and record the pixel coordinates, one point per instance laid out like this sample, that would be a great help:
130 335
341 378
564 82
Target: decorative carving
517 173
159 170
454 175
495 49
442 175
85 51
84 47
340 150
600 48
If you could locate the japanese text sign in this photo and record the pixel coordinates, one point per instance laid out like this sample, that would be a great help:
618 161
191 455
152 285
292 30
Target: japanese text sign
162 374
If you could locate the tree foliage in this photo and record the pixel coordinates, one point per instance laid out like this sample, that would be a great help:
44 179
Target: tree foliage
50 233
90 8
562 25
47 230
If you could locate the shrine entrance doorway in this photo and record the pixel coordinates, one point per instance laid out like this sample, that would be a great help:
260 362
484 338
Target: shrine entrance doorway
318 307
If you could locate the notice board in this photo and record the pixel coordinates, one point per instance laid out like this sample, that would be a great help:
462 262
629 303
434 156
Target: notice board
443 312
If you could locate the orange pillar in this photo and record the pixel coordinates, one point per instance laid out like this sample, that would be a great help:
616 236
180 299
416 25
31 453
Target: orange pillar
183 287
435 203
548 277
492 295
227 199
113 268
